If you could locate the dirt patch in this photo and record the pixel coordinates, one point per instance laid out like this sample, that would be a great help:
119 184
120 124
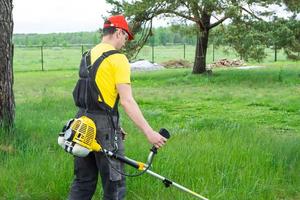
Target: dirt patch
177 64
7 148
227 63
186 64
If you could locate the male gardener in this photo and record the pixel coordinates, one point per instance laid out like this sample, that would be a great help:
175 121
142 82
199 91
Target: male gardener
113 81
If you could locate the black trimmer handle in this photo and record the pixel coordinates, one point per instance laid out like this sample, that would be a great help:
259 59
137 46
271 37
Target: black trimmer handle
163 132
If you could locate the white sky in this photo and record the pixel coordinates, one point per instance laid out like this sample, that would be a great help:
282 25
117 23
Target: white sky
48 16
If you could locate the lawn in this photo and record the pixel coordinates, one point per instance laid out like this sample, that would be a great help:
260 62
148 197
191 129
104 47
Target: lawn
235 134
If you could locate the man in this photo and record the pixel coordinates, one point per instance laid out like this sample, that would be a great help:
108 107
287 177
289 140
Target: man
112 79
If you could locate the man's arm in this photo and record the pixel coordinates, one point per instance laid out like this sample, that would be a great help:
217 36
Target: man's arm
133 111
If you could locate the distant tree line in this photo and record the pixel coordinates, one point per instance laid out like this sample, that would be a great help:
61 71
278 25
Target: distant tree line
56 39
161 36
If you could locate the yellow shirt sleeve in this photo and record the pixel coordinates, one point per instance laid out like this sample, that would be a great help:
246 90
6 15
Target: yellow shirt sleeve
121 68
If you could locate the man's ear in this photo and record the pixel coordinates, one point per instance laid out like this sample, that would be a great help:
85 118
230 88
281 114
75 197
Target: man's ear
119 33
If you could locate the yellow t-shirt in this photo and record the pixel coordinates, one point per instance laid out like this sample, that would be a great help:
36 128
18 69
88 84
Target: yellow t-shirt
113 70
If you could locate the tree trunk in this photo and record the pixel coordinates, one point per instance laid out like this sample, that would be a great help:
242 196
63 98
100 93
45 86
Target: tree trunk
7 104
200 56
202 42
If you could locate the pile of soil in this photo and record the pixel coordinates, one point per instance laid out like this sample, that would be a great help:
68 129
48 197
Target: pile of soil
227 63
177 64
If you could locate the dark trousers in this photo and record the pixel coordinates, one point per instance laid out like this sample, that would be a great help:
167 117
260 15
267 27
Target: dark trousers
87 169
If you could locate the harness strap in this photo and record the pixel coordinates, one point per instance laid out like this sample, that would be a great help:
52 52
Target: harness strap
95 91
92 69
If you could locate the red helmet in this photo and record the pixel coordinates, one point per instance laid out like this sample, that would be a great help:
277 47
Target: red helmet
119 21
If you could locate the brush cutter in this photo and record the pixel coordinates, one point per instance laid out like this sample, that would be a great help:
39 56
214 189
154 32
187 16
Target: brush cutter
78 137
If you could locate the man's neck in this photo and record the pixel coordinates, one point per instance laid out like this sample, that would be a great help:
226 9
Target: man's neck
109 41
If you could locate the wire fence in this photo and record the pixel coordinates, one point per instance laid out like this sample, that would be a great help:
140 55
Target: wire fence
36 58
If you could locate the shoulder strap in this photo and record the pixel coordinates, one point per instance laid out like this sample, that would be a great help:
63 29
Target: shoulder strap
99 60
92 69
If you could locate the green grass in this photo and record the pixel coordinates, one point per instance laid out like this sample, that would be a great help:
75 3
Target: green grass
54 58
234 134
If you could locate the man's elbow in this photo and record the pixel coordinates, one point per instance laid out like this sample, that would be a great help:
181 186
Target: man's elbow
126 102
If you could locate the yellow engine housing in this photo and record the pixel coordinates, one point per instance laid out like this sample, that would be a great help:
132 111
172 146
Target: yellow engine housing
85 133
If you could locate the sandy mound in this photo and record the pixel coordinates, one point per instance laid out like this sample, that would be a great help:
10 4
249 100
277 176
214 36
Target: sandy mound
145 65
177 64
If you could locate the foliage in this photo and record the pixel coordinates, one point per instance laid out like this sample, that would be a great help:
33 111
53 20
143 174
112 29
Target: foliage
250 39
199 13
247 42
293 5
57 39
281 34
293 46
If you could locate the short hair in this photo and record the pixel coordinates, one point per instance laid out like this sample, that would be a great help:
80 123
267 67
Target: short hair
108 30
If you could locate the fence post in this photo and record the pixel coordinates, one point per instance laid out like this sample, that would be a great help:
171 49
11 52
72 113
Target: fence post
184 51
213 48
153 52
42 57
275 48
82 49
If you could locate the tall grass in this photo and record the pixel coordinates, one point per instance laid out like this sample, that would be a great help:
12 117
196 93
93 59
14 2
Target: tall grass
234 135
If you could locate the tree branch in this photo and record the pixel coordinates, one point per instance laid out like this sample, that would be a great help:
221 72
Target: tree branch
142 40
251 13
218 22
195 10
178 14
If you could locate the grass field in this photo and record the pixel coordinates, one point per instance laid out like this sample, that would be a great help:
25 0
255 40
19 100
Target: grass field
234 135
62 58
